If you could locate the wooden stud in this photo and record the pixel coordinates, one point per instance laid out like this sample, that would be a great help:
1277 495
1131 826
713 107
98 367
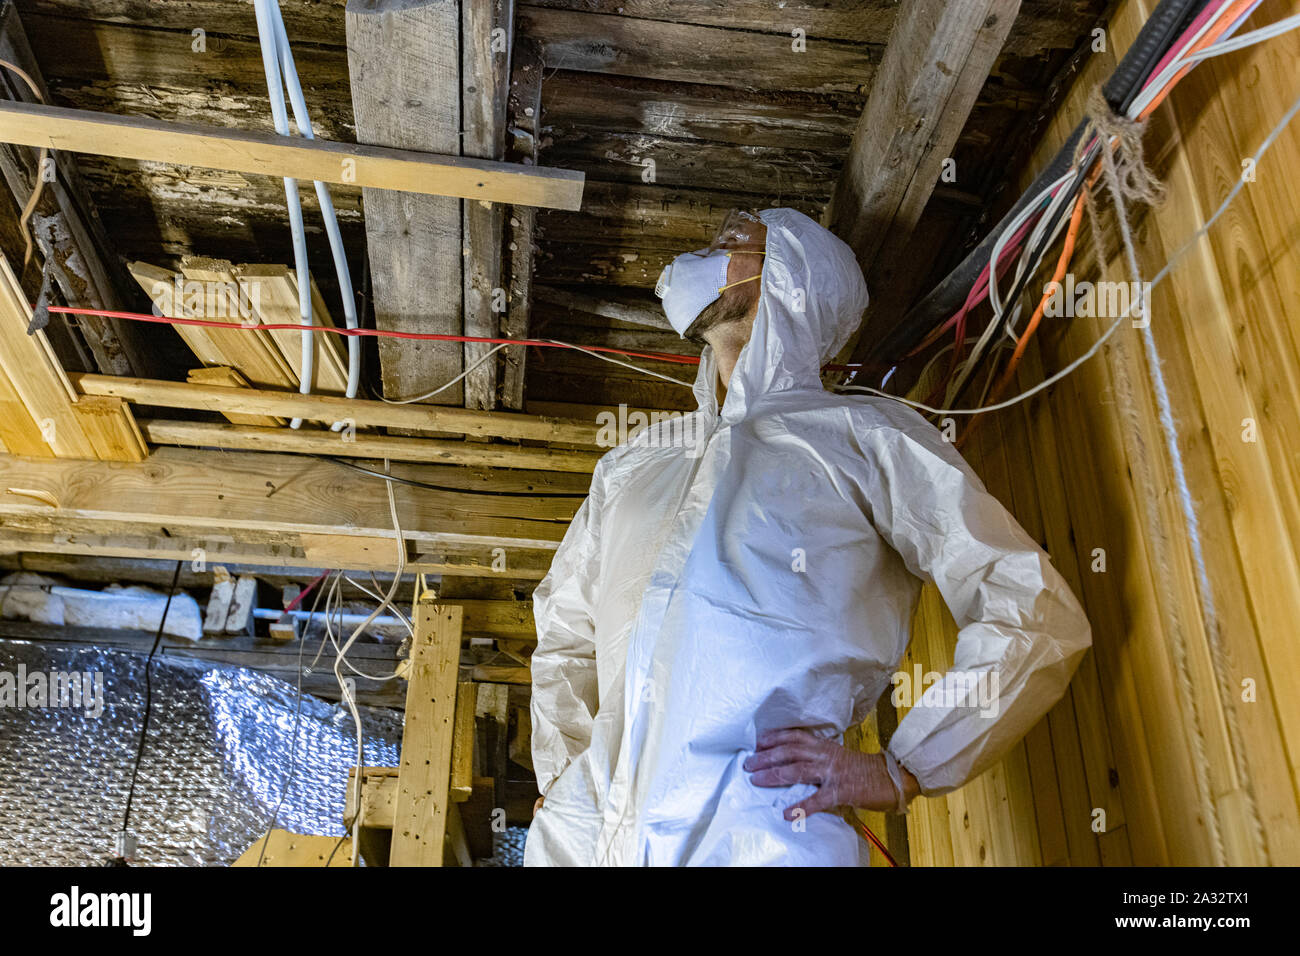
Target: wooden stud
422 802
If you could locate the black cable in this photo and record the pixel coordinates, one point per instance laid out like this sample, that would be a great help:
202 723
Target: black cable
459 491
148 697
1127 80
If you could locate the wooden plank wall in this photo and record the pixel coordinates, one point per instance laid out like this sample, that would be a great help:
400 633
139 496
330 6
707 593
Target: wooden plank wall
1186 736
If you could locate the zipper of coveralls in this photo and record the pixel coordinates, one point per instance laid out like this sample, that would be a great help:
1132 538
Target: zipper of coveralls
627 729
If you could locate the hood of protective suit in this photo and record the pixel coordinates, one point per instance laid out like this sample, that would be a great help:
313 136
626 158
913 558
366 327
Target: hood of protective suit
754 568
812 299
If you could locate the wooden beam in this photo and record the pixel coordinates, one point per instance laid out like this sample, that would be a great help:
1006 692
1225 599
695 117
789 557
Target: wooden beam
305 441
71 238
937 60
525 111
404 61
424 780
265 154
34 380
224 376
220 492
35 533
682 52
283 848
622 308
486 38
462 748
329 409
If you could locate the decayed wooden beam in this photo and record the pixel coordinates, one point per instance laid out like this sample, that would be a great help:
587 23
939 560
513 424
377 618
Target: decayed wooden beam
265 154
364 445
404 61
423 800
937 60
686 53
222 492
487 33
329 409
524 105
72 240
646 312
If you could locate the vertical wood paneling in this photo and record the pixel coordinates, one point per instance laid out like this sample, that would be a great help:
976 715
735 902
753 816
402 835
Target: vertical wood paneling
1156 730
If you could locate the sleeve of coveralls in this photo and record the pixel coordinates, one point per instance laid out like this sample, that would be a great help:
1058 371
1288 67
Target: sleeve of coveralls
564 698
1022 632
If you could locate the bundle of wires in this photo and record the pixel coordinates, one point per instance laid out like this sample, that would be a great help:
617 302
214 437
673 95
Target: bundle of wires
1179 34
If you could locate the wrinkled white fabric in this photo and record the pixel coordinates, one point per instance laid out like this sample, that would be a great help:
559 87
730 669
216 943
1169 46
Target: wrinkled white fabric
762 576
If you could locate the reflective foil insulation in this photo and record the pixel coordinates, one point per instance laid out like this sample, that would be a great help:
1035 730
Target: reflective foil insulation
215 759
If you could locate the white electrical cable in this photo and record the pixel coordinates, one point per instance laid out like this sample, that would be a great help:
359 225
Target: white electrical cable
387 602
401 615
609 358
446 385
302 119
266 11
1096 346
1157 84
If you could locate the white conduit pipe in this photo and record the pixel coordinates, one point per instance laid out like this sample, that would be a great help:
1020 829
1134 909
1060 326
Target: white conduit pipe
266 35
302 120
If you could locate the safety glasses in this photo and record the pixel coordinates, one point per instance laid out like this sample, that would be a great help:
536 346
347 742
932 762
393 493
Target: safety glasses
741 231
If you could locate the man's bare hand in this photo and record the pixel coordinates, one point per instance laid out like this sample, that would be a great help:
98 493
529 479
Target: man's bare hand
537 804
843 777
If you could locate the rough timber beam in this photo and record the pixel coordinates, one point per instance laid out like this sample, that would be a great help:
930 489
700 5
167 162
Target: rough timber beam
486 39
404 65
266 154
937 60
331 408
72 240
322 441
224 493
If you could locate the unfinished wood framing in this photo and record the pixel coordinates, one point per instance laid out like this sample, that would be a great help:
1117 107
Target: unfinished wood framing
402 170
327 409
486 40
223 493
937 60
404 62
72 242
422 803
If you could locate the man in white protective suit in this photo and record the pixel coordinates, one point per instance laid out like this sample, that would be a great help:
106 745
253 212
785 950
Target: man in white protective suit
737 590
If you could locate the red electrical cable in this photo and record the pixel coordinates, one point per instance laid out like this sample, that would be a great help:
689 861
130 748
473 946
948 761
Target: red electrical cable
364 333
875 841
392 333
307 590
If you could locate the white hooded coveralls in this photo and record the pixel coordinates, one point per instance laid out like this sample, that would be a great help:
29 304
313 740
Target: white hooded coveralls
755 567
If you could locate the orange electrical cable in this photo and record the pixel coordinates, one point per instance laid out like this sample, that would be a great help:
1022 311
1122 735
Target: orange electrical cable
1062 264
1234 12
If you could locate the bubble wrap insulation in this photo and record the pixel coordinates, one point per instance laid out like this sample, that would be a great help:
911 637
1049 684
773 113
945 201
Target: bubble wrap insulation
214 763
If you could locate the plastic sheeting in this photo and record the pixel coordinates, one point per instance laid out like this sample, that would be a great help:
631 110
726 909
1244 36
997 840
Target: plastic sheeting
216 758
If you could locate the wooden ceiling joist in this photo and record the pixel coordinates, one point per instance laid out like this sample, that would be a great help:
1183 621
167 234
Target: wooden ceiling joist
264 154
329 409
286 494
936 62
364 445
49 535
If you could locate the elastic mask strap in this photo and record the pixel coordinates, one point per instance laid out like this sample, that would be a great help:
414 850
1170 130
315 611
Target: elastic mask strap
742 252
